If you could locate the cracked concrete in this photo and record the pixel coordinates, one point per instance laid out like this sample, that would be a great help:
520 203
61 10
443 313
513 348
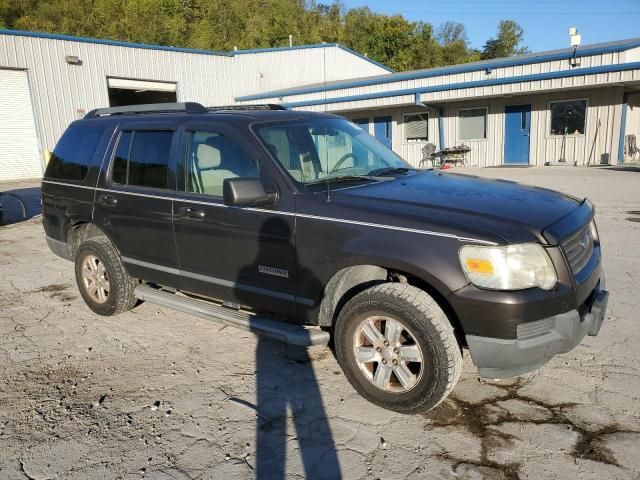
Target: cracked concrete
158 394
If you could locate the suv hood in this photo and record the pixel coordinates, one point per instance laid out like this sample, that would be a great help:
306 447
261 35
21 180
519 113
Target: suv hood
494 206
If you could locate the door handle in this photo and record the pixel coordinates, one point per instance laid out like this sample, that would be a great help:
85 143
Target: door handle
107 200
190 212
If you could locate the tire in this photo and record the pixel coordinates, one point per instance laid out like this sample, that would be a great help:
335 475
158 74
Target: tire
426 333
120 295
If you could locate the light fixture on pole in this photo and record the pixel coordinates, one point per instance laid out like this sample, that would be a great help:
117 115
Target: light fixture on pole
575 39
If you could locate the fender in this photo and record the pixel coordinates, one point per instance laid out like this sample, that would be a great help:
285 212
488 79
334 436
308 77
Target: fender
344 281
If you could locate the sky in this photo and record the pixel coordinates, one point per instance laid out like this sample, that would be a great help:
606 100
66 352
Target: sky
545 22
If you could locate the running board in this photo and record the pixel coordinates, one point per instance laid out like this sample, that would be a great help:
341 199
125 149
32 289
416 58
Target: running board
285 332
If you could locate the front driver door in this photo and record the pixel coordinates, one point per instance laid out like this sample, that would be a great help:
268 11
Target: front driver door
239 255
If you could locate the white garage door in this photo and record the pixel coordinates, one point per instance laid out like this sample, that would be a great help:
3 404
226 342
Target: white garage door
19 152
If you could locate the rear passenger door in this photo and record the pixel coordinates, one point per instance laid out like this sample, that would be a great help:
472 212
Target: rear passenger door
239 255
133 202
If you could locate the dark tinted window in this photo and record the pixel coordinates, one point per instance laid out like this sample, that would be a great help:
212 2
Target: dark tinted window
73 153
142 158
120 159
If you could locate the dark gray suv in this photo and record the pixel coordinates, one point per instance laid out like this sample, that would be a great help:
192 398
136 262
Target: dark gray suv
302 227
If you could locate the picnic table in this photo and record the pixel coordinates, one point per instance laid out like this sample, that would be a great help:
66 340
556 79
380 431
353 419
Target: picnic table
453 156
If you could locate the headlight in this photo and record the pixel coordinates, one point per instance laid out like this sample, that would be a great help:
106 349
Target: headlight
512 267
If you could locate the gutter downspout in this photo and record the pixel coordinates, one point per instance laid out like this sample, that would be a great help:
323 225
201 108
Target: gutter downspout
623 127
440 111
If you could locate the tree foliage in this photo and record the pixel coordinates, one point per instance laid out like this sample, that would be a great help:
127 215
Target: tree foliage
225 24
507 43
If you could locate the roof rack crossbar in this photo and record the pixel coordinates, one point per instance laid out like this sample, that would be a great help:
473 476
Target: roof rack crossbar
187 107
262 106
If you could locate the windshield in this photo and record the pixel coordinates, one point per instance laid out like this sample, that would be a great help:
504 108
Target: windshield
325 149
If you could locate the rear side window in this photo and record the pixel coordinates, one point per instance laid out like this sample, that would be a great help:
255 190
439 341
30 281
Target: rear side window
72 156
141 158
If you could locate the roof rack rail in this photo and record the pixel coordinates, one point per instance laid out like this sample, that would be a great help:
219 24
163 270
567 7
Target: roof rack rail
187 107
262 106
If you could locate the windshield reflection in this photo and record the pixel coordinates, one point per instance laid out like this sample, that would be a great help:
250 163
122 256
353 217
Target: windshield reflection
328 150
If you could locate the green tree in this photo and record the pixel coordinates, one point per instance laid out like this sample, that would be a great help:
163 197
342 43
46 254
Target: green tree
225 24
455 45
507 43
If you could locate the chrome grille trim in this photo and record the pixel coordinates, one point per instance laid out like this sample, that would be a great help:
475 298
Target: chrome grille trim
578 247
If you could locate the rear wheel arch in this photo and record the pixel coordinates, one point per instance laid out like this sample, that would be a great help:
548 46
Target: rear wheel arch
80 232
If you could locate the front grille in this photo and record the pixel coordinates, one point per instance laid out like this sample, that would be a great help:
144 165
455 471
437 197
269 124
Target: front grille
578 247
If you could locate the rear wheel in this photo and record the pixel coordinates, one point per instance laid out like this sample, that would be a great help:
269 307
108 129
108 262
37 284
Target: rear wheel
397 348
104 284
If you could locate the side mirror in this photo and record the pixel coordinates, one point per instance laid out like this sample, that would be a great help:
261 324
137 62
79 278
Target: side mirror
240 191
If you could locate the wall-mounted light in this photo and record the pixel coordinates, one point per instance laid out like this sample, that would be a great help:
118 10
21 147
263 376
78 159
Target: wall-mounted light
574 39
72 60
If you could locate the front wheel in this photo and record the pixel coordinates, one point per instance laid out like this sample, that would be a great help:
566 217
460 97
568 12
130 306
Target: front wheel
397 348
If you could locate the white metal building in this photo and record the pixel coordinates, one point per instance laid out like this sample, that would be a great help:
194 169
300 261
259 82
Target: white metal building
47 81
579 106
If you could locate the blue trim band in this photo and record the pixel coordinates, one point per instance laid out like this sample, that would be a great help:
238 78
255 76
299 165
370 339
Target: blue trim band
623 127
436 72
115 43
281 49
479 83
353 52
314 45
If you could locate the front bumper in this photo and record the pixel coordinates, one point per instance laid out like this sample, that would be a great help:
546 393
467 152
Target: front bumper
538 341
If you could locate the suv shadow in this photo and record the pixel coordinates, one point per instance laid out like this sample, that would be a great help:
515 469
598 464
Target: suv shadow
19 204
286 384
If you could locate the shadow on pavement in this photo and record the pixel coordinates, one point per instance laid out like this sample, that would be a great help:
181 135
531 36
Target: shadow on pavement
19 204
287 387
622 168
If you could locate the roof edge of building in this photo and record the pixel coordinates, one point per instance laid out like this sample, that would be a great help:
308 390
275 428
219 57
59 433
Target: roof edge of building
474 84
587 50
145 46
116 43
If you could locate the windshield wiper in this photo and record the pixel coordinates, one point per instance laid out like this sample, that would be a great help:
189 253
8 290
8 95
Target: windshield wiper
389 171
343 178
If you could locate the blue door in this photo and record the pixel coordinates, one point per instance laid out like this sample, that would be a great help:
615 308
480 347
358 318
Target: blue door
382 130
363 123
517 124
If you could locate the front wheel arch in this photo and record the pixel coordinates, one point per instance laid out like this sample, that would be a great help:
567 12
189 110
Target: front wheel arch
344 284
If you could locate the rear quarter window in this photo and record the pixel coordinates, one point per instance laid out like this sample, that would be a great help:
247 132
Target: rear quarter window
72 156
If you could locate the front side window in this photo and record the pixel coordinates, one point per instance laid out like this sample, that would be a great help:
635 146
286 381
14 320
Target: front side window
212 158
141 158
568 117
473 124
72 156
416 127
316 150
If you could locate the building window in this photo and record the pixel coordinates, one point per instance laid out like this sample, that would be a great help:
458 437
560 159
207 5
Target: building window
568 117
473 124
416 127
